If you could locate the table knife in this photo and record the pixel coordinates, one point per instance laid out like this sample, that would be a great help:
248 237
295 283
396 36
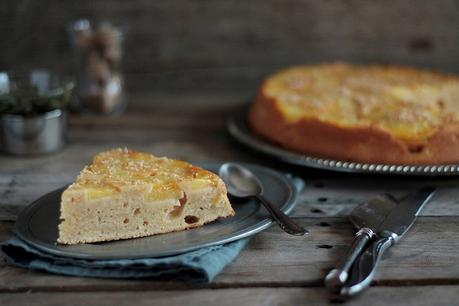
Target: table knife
394 225
365 217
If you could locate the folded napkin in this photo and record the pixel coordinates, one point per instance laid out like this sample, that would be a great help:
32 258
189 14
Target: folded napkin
197 266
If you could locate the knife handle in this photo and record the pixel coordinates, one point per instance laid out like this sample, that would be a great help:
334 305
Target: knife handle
363 270
336 278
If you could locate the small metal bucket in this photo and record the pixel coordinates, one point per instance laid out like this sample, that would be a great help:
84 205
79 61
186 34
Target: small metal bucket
40 134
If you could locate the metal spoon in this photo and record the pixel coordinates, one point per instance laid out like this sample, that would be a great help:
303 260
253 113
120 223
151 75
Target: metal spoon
242 183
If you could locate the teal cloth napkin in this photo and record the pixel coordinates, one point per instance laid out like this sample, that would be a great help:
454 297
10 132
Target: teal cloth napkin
197 266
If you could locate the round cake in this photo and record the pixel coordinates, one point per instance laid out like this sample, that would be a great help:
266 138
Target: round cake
372 114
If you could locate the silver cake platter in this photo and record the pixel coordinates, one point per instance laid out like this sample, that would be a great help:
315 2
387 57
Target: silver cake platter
238 128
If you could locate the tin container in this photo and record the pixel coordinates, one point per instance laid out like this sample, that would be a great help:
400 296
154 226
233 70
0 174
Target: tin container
39 134
33 117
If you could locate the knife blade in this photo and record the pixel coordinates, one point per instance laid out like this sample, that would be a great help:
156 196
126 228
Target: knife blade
388 232
366 217
372 213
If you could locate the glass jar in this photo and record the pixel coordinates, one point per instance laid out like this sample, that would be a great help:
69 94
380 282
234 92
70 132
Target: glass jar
98 56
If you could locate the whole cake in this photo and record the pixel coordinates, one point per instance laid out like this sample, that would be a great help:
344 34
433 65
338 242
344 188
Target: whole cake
127 194
374 114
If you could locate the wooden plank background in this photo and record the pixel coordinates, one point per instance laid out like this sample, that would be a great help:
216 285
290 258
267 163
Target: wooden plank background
191 64
438 295
275 268
221 45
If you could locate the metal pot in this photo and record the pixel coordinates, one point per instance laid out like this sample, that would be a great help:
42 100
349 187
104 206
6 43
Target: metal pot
40 134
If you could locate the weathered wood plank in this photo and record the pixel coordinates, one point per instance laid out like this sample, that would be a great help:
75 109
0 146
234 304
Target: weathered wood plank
427 255
406 296
337 196
335 200
195 130
230 45
322 197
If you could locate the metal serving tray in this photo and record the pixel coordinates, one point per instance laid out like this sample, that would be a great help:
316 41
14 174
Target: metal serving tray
239 129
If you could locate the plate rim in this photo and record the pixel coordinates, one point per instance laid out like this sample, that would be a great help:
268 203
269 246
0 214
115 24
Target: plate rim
23 232
237 126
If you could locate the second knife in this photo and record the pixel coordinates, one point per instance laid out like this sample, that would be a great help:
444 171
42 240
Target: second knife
389 232
366 218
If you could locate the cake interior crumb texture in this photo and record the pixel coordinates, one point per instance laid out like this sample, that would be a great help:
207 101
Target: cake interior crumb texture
127 194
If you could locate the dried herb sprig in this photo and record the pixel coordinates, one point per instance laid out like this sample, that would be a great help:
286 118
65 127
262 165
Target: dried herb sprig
28 101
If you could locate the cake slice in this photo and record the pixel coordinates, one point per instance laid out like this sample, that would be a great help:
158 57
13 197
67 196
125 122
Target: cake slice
127 194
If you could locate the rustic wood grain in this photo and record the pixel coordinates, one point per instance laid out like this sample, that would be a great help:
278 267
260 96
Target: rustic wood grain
333 197
337 196
425 256
230 45
407 296
192 127
275 268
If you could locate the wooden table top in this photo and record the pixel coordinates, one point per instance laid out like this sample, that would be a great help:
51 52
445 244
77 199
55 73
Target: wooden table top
275 268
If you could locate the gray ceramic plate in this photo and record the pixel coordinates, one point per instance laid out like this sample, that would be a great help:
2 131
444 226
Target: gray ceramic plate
37 225
239 129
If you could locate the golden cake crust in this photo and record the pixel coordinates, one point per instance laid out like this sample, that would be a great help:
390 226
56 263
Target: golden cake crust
375 114
117 170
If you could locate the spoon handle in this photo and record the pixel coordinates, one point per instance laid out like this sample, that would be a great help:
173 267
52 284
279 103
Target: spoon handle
284 221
